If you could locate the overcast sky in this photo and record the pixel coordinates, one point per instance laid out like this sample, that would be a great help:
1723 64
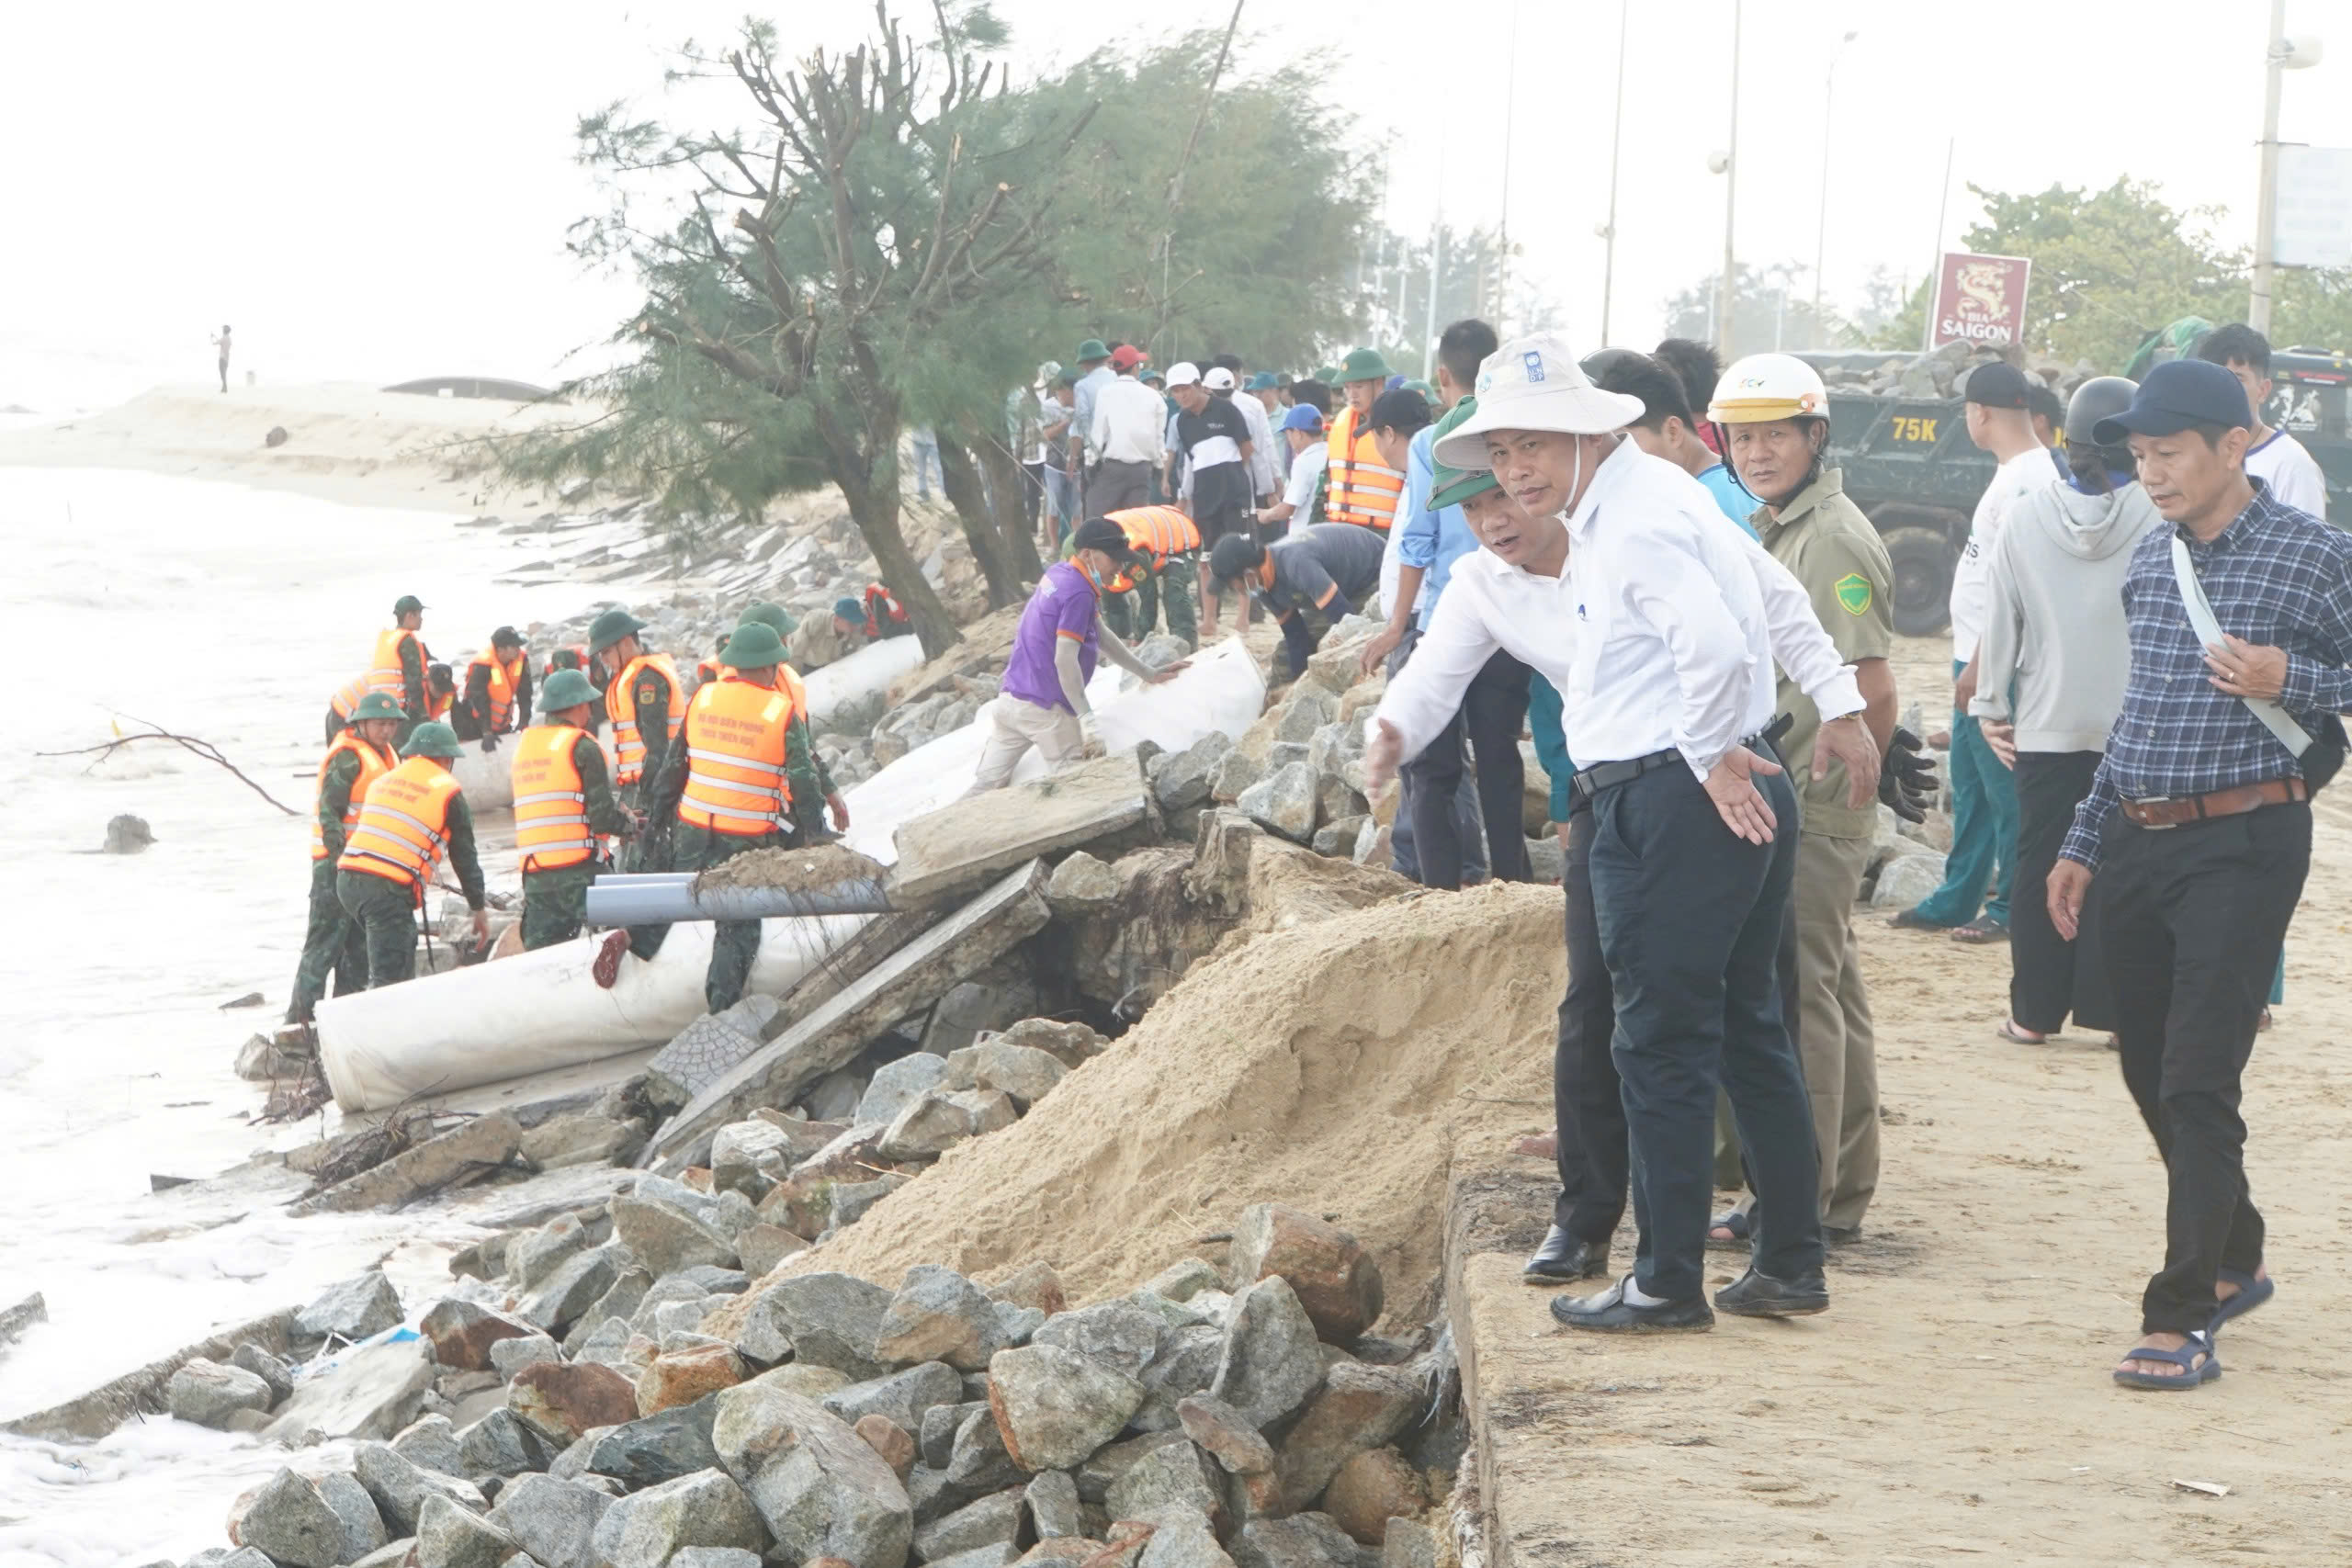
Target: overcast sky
374 193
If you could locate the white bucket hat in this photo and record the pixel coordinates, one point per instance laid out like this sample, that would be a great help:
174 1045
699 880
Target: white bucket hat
1183 373
1534 383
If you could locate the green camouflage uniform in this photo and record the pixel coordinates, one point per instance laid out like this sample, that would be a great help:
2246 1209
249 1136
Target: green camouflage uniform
385 910
331 942
690 847
555 902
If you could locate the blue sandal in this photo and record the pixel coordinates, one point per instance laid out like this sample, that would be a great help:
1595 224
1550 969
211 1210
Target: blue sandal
2252 1293
2190 1376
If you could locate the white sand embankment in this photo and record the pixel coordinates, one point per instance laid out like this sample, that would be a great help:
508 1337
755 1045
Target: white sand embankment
345 442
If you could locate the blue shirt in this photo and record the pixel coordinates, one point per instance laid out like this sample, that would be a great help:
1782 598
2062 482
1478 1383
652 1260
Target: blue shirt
2275 576
1737 504
1430 540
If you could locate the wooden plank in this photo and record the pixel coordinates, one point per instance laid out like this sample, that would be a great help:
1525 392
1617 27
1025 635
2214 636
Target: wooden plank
827 1037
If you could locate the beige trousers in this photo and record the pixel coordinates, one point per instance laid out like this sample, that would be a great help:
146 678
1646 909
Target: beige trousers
1836 1045
1013 727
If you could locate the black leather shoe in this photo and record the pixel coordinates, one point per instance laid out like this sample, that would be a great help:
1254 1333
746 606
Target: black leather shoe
1610 1312
1840 1236
1760 1295
1562 1259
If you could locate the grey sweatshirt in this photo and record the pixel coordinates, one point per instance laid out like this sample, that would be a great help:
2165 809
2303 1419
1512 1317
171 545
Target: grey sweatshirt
2055 650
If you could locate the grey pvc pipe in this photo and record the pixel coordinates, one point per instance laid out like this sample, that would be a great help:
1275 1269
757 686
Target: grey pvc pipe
627 901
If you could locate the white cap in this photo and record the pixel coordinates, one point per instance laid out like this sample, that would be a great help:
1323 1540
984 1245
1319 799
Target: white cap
1534 383
1183 373
1218 379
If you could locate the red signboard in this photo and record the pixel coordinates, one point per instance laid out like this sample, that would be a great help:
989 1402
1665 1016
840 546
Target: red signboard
1979 300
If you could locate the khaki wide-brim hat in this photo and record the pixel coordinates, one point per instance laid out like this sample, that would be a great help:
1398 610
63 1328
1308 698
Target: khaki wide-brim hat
1534 383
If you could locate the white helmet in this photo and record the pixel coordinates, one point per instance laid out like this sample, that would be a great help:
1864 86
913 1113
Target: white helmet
1766 387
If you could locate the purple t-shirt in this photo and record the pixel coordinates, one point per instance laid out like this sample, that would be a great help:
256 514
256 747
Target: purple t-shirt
1064 605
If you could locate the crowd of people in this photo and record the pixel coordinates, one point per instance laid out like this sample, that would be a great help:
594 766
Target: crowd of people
1649 562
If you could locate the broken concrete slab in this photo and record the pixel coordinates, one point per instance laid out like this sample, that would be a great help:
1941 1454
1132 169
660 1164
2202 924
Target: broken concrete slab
375 1393
487 1140
100 1411
829 1036
15 1320
960 846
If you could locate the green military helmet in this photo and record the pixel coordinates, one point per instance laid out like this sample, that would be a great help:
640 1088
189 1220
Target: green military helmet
377 705
1328 375
772 615
564 690
1092 348
432 739
1452 486
754 646
1364 365
407 604
611 626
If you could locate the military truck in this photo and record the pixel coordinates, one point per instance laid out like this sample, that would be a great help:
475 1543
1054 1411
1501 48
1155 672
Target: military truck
1910 465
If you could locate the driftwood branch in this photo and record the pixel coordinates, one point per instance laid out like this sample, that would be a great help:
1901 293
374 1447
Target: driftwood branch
202 748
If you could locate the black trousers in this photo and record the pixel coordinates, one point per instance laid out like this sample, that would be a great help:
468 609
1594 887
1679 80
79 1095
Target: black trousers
2050 977
1689 918
1032 492
2194 920
1114 487
1587 1105
1493 712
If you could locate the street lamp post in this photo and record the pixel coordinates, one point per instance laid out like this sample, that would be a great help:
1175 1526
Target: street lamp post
1821 221
1616 139
2284 54
1726 291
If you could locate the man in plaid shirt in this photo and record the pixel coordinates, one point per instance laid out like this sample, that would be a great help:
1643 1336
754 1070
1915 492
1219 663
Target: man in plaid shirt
2199 829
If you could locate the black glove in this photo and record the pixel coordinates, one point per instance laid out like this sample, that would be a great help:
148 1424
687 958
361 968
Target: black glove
1906 780
488 744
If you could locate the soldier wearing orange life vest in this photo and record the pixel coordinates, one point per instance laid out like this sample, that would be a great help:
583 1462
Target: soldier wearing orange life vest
1167 547
498 691
565 814
411 817
440 692
885 617
396 669
332 941
742 778
1364 489
643 697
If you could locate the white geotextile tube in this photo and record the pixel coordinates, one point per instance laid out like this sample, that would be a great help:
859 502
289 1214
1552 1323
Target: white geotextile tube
538 1011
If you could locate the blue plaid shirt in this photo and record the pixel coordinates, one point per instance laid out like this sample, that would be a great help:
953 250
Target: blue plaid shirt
2275 576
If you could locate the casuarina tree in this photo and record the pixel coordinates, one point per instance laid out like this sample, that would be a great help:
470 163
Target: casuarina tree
808 273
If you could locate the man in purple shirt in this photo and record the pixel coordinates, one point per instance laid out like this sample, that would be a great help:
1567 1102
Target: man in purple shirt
1043 700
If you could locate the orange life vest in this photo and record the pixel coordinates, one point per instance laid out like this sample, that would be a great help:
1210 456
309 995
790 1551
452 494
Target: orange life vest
787 680
550 799
403 825
384 673
348 696
506 677
735 734
882 611
1364 490
1157 532
438 704
620 706
373 765
708 670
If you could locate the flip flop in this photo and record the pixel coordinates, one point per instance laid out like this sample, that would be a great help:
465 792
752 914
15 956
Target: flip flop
1732 1220
2190 1376
1980 932
2252 1293
2012 1032
1912 920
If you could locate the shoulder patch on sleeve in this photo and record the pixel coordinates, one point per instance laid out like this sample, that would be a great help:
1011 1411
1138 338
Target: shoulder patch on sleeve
1853 592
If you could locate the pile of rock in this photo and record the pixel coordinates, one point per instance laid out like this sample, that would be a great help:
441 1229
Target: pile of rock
1940 373
351 1372
1209 1419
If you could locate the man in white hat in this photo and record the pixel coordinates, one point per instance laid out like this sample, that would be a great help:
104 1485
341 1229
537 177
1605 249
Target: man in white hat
1617 582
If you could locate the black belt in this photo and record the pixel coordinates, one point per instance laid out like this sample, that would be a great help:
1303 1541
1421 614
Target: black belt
1590 782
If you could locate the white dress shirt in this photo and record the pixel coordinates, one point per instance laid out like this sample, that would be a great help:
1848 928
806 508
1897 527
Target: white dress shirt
1661 633
1128 418
1262 477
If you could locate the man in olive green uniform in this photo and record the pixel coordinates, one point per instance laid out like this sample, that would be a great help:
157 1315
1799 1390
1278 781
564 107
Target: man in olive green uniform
753 650
384 909
416 695
333 941
778 617
613 644
555 903
1829 548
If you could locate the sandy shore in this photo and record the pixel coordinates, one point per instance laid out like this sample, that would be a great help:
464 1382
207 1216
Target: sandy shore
1955 1406
345 442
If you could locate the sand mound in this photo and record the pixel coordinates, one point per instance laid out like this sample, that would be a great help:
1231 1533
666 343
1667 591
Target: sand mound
1324 1066
808 869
